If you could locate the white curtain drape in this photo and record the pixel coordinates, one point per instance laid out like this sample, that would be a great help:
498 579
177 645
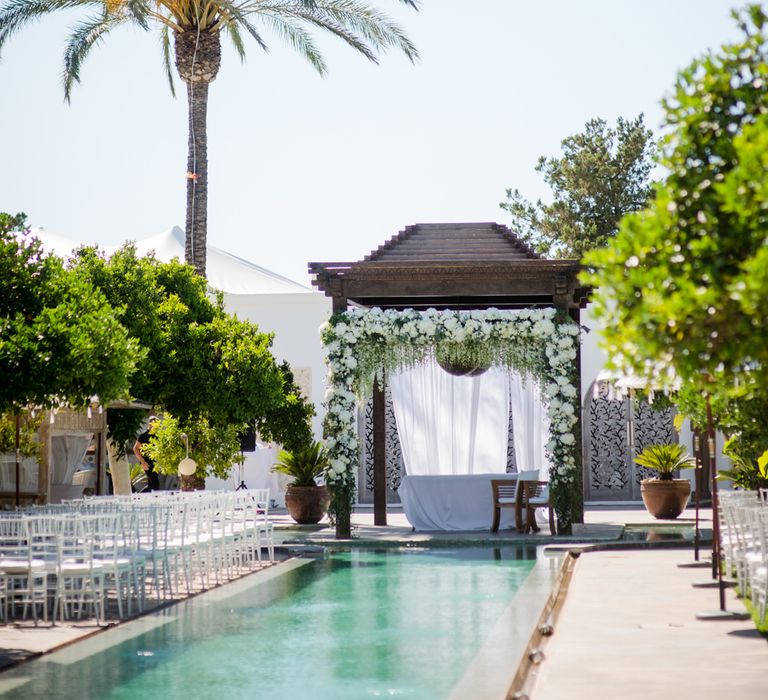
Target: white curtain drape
68 452
530 425
451 425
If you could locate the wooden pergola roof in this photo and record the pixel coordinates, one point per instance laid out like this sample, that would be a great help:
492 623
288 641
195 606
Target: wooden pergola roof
457 266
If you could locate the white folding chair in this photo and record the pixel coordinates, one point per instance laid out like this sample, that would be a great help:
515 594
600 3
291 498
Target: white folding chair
79 578
23 573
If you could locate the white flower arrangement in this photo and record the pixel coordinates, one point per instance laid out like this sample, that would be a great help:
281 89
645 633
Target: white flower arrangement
363 344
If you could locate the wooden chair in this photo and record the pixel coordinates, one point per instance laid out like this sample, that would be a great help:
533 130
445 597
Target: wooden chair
533 495
508 494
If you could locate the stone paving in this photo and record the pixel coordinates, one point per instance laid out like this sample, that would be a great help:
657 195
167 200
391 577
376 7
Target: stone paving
628 630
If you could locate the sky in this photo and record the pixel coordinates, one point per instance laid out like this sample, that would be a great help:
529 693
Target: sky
304 168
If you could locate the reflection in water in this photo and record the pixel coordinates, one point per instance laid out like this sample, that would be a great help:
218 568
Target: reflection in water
357 624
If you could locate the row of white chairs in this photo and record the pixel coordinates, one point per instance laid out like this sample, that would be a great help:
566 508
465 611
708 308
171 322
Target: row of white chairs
70 557
744 543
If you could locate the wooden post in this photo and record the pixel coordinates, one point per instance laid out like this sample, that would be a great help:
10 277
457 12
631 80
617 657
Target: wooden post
379 455
99 460
18 458
717 569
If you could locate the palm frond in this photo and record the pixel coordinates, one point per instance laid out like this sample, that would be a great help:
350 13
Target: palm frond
364 28
291 31
231 16
331 25
165 39
15 14
137 11
237 40
83 38
372 25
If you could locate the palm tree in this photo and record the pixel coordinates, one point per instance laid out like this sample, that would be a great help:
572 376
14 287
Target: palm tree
194 28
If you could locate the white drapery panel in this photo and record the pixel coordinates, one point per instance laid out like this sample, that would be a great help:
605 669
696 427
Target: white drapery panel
451 425
530 425
68 452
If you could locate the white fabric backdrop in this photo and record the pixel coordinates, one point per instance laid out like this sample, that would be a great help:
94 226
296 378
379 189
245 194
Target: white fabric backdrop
530 425
451 425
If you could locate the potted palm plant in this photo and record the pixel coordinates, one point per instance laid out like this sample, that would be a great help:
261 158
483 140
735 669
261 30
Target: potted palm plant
306 501
664 496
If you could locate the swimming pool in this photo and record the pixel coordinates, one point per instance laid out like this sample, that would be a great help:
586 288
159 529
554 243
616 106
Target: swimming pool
355 624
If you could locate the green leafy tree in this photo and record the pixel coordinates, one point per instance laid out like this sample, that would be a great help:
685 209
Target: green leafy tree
682 288
61 343
203 367
215 448
602 175
190 32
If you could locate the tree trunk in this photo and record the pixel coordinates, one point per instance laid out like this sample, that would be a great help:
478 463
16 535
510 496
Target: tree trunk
197 178
198 57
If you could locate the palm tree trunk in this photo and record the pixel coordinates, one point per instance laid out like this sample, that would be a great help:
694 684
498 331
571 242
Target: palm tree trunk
197 177
198 58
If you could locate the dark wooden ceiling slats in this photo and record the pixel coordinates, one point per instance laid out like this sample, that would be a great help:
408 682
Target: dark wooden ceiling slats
463 265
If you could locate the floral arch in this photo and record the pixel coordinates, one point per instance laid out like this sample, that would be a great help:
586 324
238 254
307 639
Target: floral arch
364 344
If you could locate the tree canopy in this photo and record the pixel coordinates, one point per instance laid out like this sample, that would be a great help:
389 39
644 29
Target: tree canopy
682 288
61 343
202 365
602 175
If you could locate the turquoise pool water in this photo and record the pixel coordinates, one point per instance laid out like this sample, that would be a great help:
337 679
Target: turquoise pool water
357 624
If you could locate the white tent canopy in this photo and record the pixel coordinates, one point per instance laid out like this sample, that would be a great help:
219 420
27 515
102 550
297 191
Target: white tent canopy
224 271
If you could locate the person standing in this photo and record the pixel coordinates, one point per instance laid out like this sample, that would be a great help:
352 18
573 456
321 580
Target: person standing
153 480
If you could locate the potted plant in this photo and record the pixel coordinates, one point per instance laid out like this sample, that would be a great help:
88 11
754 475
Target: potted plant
664 496
306 501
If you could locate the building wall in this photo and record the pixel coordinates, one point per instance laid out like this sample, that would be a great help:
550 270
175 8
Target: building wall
295 320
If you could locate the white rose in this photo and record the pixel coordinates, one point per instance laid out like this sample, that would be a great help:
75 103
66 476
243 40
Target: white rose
567 439
569 391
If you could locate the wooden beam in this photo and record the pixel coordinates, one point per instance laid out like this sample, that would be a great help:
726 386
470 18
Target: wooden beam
339 304
379 455
447 287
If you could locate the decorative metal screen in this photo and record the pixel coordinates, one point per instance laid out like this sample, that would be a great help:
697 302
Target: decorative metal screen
393 451
652 427
612 474
607 473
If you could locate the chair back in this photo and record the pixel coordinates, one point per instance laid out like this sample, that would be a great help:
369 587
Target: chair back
503 488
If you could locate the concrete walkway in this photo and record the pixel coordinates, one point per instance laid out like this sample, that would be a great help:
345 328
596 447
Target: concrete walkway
628 630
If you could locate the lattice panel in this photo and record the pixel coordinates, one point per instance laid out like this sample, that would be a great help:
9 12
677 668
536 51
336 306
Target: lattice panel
394 453
608 468
511 460
652 427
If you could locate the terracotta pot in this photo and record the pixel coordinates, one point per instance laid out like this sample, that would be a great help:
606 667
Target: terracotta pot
307 504
665 500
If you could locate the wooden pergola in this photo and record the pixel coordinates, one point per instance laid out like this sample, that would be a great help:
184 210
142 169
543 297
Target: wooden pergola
448 266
